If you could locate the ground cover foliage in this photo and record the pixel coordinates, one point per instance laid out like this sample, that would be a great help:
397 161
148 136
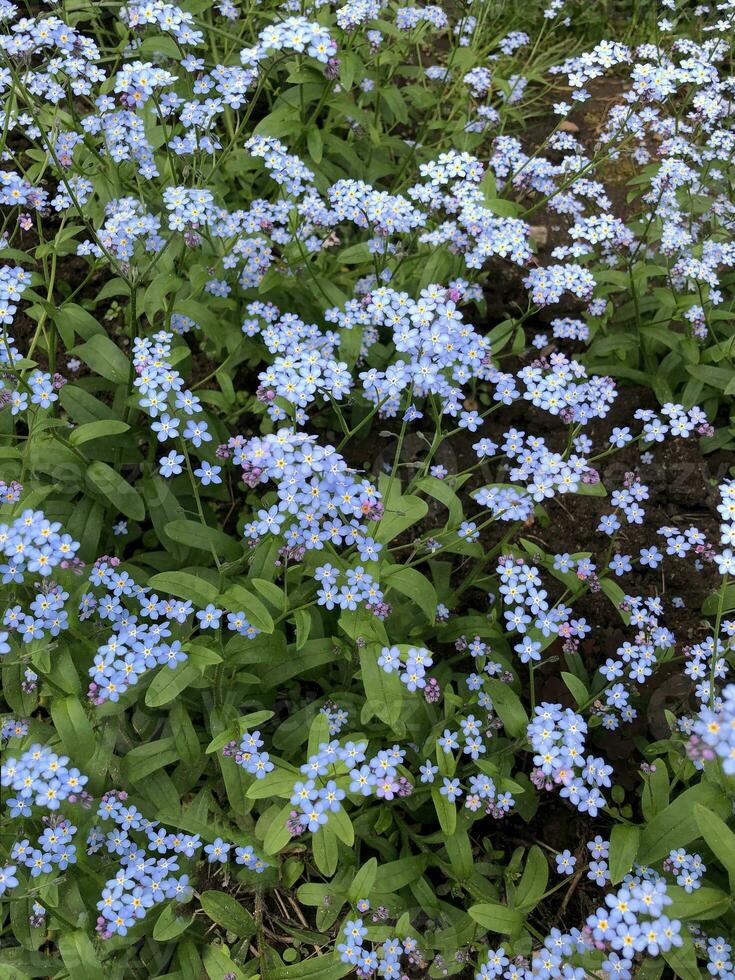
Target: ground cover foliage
367 522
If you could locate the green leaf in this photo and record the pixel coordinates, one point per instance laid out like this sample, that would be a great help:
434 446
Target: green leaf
72 724
710 375
401 512
489 187
97 430
534 880
188 961
170 924
201 656
719 838
244 723
316 968
341 825
116 490
655 796
318 733
253 719
79 956
154 301
271 592
355 254
229 913
148 758
384 692
302 622
184 585
217 961
326 851
624 841
413 584
184 734
278 782
592 490
314 143
703 903
576 687
683 959
83 406
459 849
239 599
193 534
508 706
363 881
277 835
616 596
104 358
71 318
168 684
676 826
442 492
497 918
445 811
502 208
650 969
163 508
712 603
396 874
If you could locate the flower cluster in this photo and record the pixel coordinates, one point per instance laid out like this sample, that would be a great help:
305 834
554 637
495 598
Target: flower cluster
328 396
34 545
411 665
166 16
42 778
137 641
557 736
688 869
320 793
319 498
632 921
358 587
716 729
375 960
149 859
257 763
292 34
